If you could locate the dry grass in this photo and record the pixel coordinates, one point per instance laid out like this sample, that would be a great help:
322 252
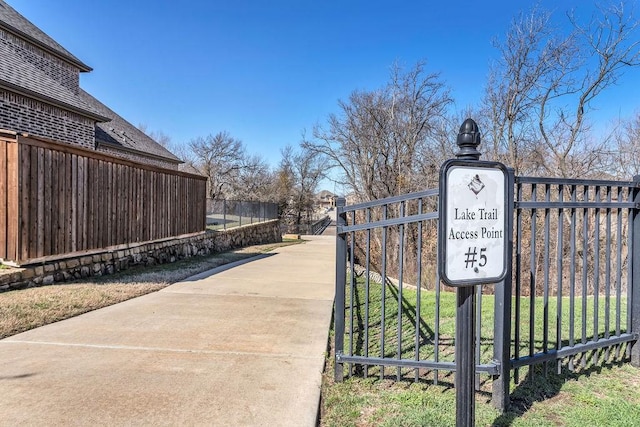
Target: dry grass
30 308
26 309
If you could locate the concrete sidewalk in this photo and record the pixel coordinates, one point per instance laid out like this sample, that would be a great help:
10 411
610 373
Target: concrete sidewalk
243 347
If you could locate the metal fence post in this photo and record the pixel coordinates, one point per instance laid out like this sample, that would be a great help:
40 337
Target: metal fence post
468 140
502 314
634 293
341 282
224 215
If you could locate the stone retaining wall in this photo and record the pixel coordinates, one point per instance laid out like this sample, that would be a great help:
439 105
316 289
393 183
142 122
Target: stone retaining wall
111 260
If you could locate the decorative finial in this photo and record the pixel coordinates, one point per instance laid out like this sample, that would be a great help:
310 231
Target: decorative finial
468 141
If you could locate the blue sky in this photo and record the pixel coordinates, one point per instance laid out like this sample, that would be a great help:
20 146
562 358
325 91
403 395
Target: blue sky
267 70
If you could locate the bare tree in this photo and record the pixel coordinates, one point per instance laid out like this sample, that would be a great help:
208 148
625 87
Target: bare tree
626 163
380 136
387 142
220 158
300 172
530 53
545 84
607 44
282 189
254 181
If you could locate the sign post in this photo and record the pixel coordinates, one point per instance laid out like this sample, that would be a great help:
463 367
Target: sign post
472 247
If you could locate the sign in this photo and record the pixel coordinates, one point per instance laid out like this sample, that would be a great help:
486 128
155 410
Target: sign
473 222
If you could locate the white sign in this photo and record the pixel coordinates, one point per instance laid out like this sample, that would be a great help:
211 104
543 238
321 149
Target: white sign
473 224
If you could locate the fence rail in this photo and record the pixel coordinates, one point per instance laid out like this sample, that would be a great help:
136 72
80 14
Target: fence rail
319 226
223 214
57 199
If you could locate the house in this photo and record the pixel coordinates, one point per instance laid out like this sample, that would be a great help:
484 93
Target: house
326 199
40 95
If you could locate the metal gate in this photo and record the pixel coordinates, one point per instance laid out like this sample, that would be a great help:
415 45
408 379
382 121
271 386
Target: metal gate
570 298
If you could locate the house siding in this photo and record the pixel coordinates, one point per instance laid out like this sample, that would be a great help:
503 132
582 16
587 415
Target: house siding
22 114
62 72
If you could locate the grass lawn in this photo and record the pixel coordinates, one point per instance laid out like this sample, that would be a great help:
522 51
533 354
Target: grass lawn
26 309
593 395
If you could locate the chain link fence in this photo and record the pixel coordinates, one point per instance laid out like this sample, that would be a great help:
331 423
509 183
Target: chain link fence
223 214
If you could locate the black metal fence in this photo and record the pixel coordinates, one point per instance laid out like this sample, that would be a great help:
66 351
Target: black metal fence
570 299
223 214
314 224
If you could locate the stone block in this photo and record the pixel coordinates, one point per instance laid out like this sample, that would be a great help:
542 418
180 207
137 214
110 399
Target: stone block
28 273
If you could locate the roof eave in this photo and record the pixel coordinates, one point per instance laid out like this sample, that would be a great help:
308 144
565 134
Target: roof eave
138 152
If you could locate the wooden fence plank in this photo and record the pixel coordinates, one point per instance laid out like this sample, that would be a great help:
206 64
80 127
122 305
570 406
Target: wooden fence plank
82 206
62 206
108 197
32 213
124 180
73 212
65 214
24 185
40 216
13 200
3 198
48 171
91 178
53 206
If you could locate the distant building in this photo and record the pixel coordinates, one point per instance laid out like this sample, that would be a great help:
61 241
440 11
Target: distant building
40 95
326 199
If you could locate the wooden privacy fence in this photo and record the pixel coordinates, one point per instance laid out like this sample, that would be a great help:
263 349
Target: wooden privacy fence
57 199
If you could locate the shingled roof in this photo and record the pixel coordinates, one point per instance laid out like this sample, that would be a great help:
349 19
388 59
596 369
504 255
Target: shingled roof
121 134
17 24
18 75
